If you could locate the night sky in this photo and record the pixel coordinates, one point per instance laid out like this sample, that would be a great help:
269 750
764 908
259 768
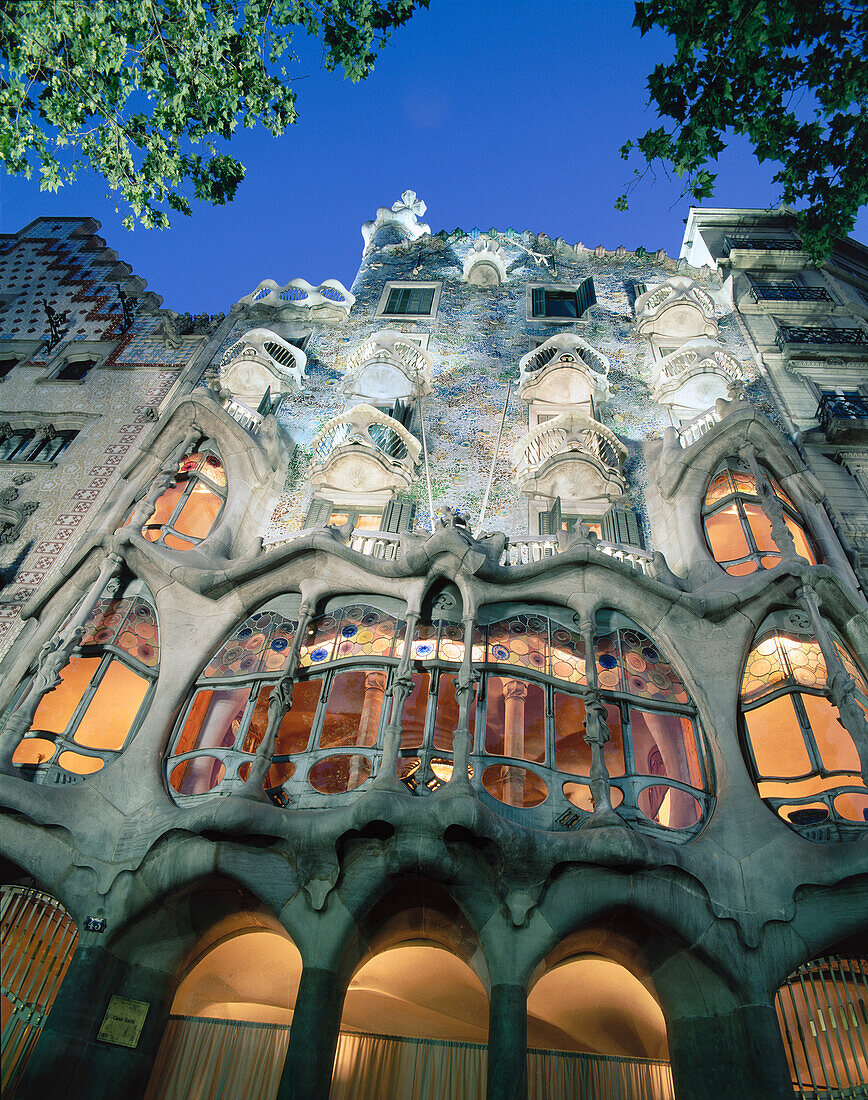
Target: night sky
498 114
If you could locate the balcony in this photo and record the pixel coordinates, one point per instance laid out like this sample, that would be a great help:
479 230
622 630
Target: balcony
844 417
523 550
760 244
261 362
692 378
831 337
362 450
780 292
564 370
573 457
678 309
327 304
386 368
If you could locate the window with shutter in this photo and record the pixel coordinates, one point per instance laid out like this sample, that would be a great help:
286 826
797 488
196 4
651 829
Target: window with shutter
562 303
410 300
550 522
318 513
621 525
399 515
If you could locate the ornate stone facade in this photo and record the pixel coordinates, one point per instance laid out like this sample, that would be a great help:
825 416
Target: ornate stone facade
478 671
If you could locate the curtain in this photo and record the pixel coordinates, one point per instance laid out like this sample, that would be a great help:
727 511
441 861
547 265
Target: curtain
371 1067
205 1059
560 1075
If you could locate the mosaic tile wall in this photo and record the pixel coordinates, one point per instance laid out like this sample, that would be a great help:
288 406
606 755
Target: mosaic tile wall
476 342
62 263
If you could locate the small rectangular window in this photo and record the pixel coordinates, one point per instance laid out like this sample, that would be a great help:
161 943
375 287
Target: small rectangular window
562 303
406 300
74 370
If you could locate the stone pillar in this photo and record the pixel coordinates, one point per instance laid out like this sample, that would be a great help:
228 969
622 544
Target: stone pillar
507 1043
68 1063
465 685
514 695
596 735
313 1037
739 1056
774 509
402 686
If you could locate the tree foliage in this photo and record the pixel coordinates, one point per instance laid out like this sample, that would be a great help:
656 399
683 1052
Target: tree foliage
142 91
790 75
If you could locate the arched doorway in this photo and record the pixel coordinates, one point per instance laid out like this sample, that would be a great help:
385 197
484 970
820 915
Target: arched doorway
595 1030
37 941
228 1028
414 1027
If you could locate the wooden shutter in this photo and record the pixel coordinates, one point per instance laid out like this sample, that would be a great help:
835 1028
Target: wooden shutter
586 295
399 515
318 513
621 525
550 522
266 404
538 301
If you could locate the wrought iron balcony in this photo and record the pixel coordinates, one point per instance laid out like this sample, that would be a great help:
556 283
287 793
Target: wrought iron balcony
779 292
761 244
843 417
810 334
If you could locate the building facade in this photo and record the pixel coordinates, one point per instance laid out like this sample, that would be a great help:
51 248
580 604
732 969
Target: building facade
453 685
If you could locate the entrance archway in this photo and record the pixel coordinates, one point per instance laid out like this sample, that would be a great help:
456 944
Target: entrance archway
228 1028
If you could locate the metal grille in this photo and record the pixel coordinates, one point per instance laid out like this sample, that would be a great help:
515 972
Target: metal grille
823 1015
37 941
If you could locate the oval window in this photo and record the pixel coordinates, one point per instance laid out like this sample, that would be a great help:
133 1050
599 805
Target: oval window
340 773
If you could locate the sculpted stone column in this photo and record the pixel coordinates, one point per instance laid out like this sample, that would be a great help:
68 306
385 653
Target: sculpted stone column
596 736
279 702
514 696
465 686
53 657
144 509
313 1037
507 1043
840 688
402 685
773 508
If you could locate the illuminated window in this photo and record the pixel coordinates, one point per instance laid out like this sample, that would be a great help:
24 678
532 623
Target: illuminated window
738 530
188 509
803 760
90 716
527 719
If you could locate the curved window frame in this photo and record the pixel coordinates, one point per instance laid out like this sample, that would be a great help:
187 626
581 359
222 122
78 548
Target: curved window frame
834 826
740 498
194 478
427 760
50 770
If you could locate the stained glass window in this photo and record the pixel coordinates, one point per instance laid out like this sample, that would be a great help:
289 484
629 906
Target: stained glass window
738 530
102 692
260 644
629 662
357 630
186 511
802 757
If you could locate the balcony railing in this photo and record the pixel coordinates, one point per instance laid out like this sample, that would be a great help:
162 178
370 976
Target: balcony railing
694 429
247 418
521 551
779 292
368 427
843 414
761 244
570 431
809 334
561 347
697 352
393 348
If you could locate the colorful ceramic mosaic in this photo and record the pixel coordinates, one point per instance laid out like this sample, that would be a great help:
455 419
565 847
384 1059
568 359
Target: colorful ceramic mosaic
779 660
260 644
628 661
128 623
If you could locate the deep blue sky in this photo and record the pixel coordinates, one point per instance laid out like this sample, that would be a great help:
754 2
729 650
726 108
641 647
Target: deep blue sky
505 113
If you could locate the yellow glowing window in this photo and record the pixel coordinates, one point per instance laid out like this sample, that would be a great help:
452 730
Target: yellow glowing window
187 510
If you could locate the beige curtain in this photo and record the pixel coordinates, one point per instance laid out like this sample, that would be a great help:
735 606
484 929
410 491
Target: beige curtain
559 1075
371 1067
204 1059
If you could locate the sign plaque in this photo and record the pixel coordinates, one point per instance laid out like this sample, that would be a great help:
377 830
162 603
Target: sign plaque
123 1021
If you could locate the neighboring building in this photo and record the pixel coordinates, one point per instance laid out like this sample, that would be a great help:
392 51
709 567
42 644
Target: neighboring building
309 788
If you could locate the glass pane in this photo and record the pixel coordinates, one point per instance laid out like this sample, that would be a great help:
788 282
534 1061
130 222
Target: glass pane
719 487
646 672
175 543
199 512
761 528
446 715
567 655
561 303
853 806
669 807
580 795
837 750
572 753
139 636
214 720
776 739
521 640
318 646
413 714
365 631
353 713
113 708
79 764
34 750
278 773
764 669
56 708
104 621
339 774
515 786
515 719
198 775
163 510
725 535
803 547
293 733
665 744
368 521
212 468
